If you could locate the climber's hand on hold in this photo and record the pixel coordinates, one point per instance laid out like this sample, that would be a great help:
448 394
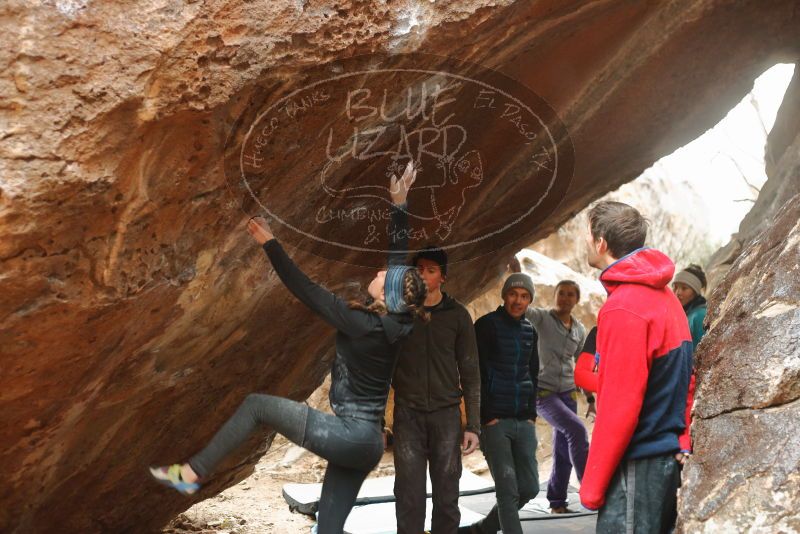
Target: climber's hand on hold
258 227
399 187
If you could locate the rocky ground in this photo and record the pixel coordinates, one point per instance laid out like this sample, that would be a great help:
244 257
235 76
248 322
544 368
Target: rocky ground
256 506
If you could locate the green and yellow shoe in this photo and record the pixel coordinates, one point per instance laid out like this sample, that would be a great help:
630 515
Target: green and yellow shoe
170 476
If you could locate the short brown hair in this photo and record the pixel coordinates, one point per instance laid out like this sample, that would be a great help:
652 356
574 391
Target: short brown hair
622 226
571 283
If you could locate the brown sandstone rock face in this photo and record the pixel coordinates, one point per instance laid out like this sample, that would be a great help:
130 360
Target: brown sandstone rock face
136 313
745 473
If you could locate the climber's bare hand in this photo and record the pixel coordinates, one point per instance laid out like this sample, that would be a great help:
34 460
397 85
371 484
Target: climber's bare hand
258 227
399 187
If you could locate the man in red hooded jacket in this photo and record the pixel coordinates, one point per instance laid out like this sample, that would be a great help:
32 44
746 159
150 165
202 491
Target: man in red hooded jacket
644 349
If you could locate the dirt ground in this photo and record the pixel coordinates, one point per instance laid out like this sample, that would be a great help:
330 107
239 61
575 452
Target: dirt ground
256 505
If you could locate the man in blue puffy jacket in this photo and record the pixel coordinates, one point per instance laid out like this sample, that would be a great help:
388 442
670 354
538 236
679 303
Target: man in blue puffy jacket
509 364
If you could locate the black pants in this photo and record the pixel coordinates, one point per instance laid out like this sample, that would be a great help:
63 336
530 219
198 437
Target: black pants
642 497
420 439
353 447
510 450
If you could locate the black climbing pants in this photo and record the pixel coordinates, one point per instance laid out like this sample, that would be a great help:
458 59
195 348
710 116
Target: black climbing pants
423 439
642 497
353 447
510 450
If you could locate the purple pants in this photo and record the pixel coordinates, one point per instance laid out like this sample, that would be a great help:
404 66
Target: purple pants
570 442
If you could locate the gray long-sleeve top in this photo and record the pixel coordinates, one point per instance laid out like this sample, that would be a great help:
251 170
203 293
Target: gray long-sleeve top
559 348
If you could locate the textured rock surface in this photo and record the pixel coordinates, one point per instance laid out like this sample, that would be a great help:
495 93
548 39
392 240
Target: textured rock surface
745 474
135 312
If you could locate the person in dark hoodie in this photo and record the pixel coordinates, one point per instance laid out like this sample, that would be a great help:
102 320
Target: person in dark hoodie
645 368
509 365
438 364
367 343
688 286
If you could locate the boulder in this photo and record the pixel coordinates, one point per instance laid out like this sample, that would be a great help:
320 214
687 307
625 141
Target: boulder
136 313
744 474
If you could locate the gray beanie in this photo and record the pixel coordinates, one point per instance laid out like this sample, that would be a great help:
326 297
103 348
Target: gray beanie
685 277
518 280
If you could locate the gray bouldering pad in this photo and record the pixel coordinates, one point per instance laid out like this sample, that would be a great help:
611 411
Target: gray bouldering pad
381 518
536 509
535 516
303 498
375 509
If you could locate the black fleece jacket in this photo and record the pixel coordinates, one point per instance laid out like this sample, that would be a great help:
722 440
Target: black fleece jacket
439 360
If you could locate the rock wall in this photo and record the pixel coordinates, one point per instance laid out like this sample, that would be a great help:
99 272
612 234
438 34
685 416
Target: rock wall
746 468
135 313
745 473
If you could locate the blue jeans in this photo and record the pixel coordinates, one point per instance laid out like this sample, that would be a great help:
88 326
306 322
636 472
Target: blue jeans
510 450
570 441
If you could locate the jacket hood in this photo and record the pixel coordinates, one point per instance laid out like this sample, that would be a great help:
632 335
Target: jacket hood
644 266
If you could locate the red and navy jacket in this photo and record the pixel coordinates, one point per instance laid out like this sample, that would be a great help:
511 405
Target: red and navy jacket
645 369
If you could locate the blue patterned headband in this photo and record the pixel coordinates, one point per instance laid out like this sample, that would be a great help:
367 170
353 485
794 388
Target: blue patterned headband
393 288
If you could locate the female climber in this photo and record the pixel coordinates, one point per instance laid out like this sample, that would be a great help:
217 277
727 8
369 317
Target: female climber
366 350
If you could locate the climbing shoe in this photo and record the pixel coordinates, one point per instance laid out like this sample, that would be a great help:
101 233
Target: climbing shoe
170 476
